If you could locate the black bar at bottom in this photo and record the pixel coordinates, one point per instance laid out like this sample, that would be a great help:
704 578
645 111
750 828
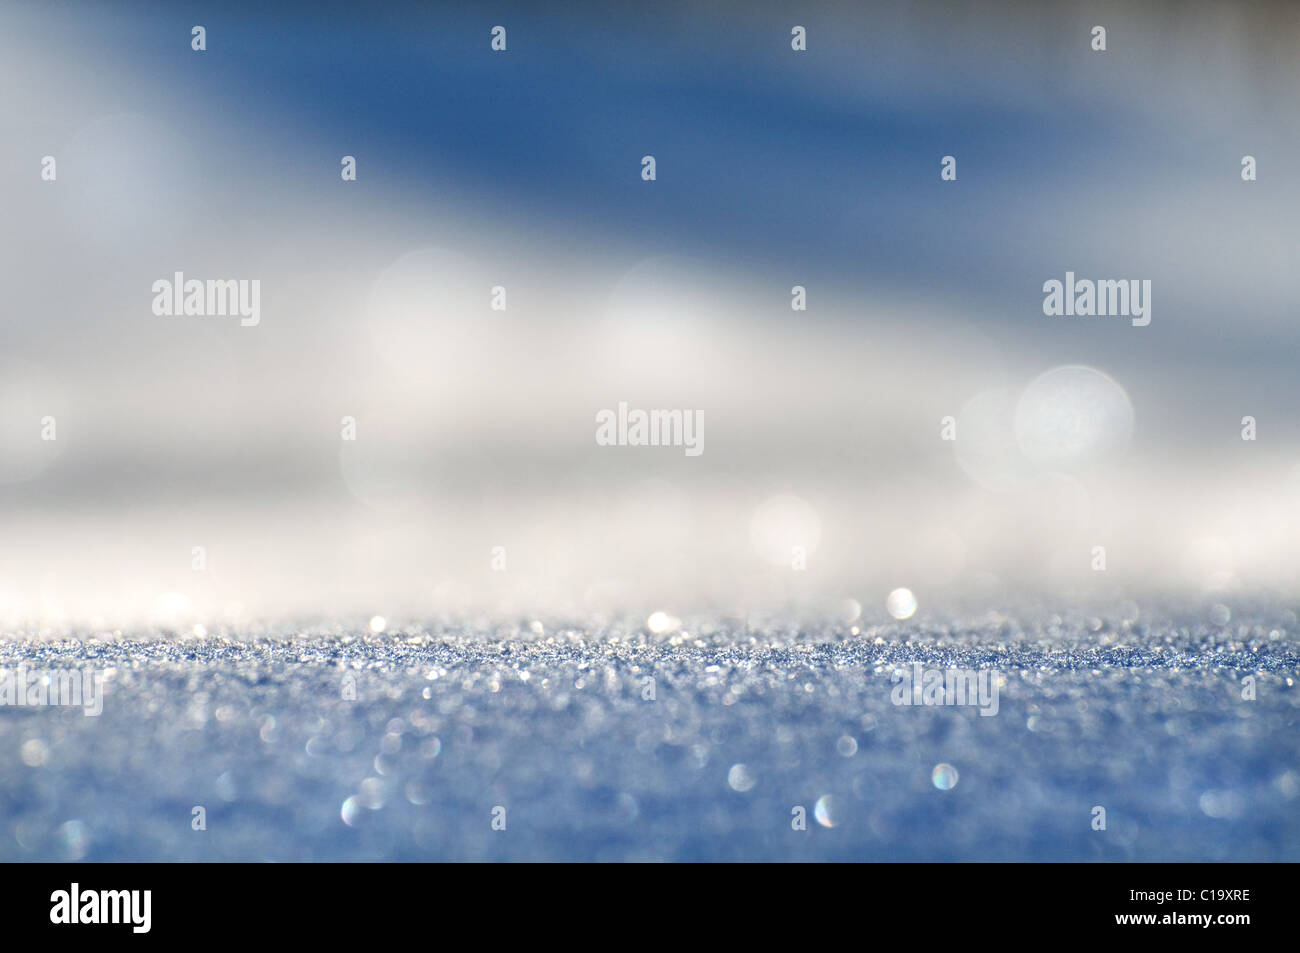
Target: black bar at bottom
341 903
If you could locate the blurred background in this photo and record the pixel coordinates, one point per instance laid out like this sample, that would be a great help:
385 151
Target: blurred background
522 169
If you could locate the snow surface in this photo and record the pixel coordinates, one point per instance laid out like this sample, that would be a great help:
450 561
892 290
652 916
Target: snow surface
554 724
